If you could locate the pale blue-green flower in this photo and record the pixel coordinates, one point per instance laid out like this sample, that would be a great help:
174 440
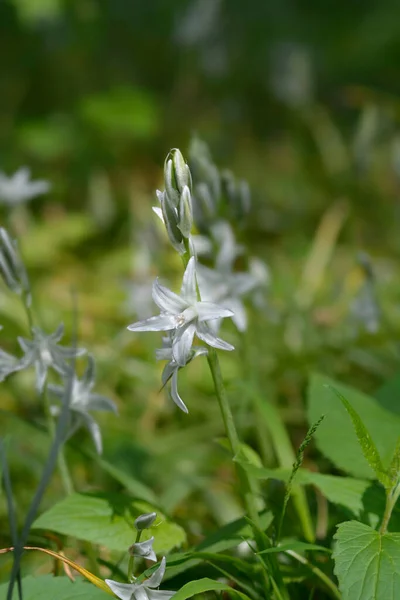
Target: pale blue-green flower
11 266
82 401
8 364
145 521
142 591
19 188
171 369
185 316
144 549
43 352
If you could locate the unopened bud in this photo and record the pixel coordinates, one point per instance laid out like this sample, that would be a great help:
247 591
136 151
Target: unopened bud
145 521
171 187
11 266
144 549
185 212
182 174
170 218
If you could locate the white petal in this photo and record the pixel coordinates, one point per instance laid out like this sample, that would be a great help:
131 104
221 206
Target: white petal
163 353
157 577
168 371
207 311
123 591
182 344
239 312
188 289
158 323
98 402
144 549
175 394
242 283
157 210
167 300
204 333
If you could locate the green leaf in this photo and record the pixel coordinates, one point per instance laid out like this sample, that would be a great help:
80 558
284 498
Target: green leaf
389 393
136 487
47 586
107 519
394 467
205 585
367 563
365 440
344 491
335 437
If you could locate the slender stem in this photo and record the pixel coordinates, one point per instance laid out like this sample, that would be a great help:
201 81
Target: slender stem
391 499
320 574
61 460
132 558
246 484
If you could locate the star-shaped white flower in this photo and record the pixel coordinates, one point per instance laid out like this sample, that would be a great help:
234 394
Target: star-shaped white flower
142 591
185 316
18 188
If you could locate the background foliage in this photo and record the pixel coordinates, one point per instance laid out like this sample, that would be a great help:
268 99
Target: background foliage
302 100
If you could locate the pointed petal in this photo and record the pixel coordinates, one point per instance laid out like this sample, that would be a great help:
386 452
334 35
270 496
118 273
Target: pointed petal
168 371
41 373
94 431
99 402
89 375
144 549
182 344
188 289
26 345
175 394
157 577
167 300
123 591
204 333
242 283
239 312
158 323
58 333
157 210
163 353
207 311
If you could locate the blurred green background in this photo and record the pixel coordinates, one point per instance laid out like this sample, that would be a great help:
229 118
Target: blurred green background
302 99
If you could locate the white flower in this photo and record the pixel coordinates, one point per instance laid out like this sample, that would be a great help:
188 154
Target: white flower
185 316
142 591
144 549
170 372
82 401
17 188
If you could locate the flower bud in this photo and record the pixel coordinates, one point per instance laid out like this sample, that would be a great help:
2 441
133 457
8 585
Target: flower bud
145 521
171 187
11 266
170 218
185 212
182 173
144 549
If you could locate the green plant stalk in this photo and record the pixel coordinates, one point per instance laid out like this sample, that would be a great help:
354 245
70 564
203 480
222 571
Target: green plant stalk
131 562
61 460
391 498
320 574
245 482
286 457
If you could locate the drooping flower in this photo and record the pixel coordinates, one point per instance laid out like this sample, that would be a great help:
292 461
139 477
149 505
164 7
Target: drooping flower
185 316
171 369
43 351
12 268
82 401
144 549
18 188
142 591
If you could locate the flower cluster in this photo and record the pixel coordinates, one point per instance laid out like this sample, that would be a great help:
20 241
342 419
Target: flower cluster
43 352
145 590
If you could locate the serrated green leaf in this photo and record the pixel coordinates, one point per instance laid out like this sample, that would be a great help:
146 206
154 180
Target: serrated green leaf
206 585
394 467
365 441
47 586
335 437
367 563
107 519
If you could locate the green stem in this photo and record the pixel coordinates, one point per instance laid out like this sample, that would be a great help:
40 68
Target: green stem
61 460
132 558
391 499
245 482
320 574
